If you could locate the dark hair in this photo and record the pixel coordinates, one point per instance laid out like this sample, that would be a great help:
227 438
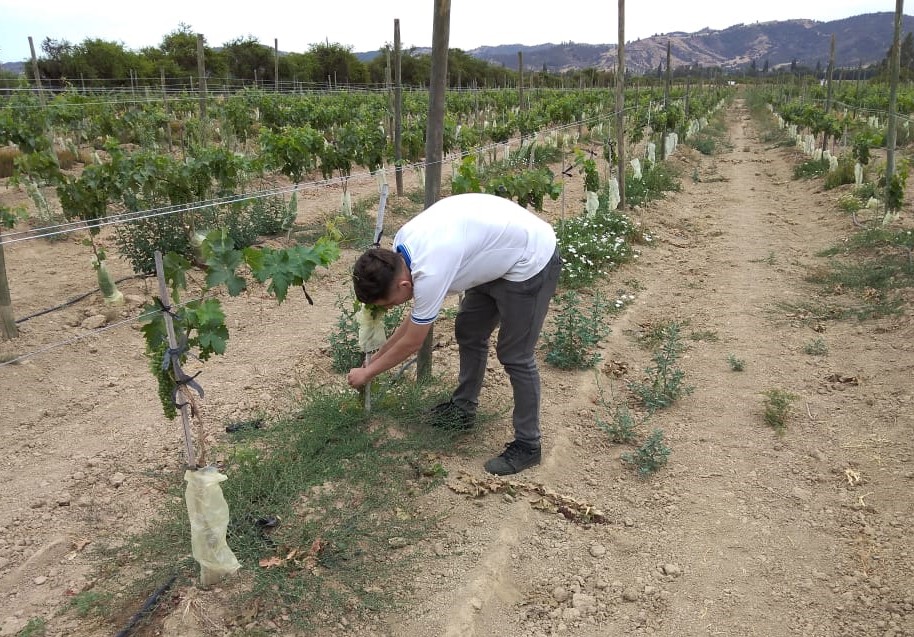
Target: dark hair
373 274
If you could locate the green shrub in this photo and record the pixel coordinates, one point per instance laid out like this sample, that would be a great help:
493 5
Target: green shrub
272 215
777 408
36 627
345 352
137 241
816 347
736 364
810 168
665 382
656 180
572 342
865 191
850 204
650 456
344 339
704 144
844 174
621 429
245 221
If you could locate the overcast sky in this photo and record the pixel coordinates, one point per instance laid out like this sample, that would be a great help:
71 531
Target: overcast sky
366 25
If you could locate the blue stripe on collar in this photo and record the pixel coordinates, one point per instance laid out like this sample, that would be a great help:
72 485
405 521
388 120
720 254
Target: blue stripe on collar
403 250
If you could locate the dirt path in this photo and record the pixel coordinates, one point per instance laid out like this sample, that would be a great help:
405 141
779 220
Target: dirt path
745 532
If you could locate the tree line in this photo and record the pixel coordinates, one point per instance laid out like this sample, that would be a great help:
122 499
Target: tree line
102 63
245 60
97 62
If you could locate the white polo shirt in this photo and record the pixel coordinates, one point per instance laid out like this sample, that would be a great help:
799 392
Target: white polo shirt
466 240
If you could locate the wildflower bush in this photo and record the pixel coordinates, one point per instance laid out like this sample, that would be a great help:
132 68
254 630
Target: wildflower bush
592 244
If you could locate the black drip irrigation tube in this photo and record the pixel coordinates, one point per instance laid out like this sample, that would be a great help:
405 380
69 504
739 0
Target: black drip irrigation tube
147 608
75 299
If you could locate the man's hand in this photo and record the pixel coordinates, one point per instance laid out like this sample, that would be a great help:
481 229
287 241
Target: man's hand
405 342
358 377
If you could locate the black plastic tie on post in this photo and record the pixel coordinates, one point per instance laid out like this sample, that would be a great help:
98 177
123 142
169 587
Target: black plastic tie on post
172 358
165 308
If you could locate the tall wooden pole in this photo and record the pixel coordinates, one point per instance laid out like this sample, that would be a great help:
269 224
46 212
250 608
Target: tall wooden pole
398 106
276 64
166 109
520 79
831 71
173 344
8 329
620 105
857 91
36 73
201 74
41 98
892 132
666 100
434 143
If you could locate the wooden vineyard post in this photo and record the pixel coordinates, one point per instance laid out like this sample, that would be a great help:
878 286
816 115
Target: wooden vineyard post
620 106
201 72
892 132
830 72
276 65
173 344
434 143
8 329
398 103
520 79
41 98
38 88
666 102
167 112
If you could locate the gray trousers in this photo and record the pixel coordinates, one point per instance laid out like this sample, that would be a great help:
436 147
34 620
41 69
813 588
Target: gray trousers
518 308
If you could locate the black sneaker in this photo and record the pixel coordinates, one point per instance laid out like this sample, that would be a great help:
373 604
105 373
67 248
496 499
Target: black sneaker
449 415
516 457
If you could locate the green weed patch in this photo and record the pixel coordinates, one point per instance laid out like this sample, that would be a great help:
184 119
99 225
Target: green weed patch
321 503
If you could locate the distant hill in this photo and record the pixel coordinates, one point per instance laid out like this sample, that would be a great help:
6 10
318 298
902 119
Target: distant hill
17 67
862 39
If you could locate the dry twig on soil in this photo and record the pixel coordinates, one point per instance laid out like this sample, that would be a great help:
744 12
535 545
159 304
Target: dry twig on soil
548 500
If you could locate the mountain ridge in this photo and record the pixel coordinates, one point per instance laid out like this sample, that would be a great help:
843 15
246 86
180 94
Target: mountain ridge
859 40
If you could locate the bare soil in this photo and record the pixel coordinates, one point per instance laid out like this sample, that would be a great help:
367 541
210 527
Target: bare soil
745 532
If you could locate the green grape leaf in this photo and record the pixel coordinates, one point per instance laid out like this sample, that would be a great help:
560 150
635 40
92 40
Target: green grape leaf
175 267
154 330
289 266
223 259
208 320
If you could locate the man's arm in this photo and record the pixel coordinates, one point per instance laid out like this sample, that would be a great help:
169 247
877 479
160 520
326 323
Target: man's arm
405 342
396 336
